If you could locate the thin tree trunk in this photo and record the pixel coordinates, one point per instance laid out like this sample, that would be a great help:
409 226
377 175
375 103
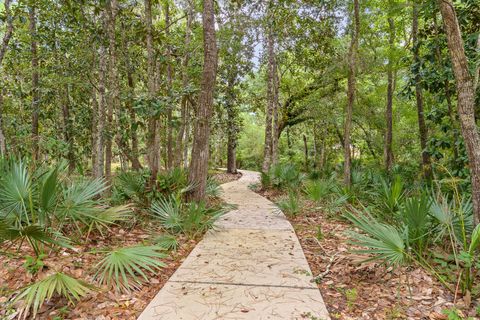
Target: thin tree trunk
427 171
183 112
352 66
67 129
305 149
133 119
232 129
200 153
152 136
169 88
100 129
3 144
276 105
387 152
267 152
35 83
3 49
466 98
8 30
477 69
113 90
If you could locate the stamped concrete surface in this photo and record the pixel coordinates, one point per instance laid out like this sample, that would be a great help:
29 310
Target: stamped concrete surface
250 267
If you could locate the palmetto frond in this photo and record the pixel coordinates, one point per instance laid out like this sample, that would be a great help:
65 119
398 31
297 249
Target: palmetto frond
59 283
125 268
384 242
168 210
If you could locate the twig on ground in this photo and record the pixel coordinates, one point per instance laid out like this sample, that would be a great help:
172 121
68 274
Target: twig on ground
322 275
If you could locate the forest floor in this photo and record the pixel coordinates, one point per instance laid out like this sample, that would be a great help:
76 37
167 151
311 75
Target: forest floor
365 291
79 262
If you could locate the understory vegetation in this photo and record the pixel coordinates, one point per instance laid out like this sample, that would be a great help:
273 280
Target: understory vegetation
46 213
394 221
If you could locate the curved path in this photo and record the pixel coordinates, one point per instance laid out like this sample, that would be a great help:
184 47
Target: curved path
250 267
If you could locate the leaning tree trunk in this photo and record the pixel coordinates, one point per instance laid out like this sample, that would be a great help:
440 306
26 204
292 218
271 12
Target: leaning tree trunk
352 62
267 152
200 153
422 127
466 98
35 82
388 152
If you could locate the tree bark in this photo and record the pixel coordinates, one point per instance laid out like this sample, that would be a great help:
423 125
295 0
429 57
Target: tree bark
113 90
305 149
98 167
387 152
67 129
8 30
232 129
3 49
352 66
200 151
3 144
35 82
169 126
269 113
422 128
182 132
152 137
466 98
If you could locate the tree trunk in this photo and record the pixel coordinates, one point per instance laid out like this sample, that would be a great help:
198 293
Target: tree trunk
67 129
267 152
466 98
200 153
276 105
169 125
182 132
133 119
100 115
427 171
352 62
113 90
3 49
232 126
387 152
8 30
35 83
152 138
3 144
305 149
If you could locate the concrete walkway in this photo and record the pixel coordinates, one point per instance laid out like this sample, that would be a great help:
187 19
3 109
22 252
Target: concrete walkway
250 267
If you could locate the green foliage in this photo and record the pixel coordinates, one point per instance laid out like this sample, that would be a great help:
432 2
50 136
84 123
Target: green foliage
130 186
392 195
384 242
167 241
188 218
290 205
318 190
40 207
415 217
34 295
125 268
213 188
285 176
34 264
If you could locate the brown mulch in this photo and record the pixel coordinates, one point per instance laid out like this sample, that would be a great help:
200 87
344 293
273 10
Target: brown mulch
79 263
353 290
222 177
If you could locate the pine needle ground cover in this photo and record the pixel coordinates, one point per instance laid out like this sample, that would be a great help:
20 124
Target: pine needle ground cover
79 263
352 290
